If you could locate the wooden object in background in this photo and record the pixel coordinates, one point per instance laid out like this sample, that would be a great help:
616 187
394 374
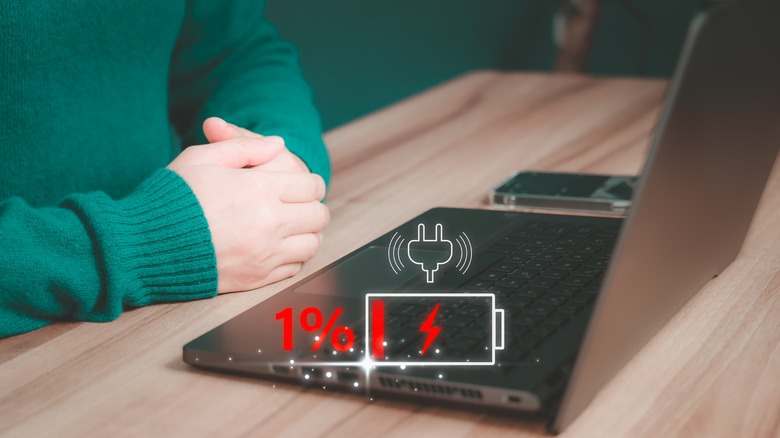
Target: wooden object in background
580 18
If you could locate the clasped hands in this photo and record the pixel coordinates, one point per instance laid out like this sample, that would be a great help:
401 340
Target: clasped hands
260 200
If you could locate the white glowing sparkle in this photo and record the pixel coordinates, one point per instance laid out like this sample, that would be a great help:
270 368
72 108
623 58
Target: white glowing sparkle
328 374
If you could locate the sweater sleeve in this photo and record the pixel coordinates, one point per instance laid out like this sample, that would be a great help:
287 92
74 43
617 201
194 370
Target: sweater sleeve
229 62
93 256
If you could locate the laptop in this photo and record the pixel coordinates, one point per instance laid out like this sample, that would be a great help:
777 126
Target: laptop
536 312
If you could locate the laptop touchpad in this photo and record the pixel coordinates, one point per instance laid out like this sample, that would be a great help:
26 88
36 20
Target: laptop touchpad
365 271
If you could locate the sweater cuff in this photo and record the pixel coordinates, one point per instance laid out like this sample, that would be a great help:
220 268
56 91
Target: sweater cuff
160 241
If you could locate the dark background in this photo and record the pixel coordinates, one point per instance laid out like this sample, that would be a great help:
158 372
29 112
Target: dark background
361 55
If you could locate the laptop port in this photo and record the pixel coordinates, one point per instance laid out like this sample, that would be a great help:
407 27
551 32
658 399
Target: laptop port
312 373
281 369
347 377
512 399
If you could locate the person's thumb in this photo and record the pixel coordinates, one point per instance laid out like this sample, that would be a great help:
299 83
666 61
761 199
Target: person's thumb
238 152
217 129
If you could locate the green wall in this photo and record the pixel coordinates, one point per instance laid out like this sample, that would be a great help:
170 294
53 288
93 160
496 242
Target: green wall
646 44
363 55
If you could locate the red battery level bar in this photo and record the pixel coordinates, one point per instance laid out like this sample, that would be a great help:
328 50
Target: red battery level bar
433 328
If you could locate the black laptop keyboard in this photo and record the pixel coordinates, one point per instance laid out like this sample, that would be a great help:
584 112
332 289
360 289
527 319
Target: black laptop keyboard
548 273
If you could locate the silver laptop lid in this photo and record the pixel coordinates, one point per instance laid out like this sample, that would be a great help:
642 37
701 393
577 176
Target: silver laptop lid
714 148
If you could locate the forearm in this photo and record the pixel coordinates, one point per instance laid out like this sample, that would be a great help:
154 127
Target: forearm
93 256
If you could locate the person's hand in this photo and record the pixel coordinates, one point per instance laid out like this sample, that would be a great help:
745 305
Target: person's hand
264 224
217 130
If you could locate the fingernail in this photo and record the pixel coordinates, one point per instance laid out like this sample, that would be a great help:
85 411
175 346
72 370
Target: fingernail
274 139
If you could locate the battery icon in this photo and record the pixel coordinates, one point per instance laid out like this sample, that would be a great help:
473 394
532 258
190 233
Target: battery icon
433 329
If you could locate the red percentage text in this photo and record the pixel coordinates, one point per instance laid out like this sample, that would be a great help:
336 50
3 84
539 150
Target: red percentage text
310 320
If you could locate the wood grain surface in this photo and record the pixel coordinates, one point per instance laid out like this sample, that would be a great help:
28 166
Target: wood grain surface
714 370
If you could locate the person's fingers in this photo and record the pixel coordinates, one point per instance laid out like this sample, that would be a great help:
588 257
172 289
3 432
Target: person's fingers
282 272
286 162
217 129
300 187
238 131
299 248
309 217
236 153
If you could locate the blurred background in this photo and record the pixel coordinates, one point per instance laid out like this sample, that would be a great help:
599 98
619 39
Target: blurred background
362 55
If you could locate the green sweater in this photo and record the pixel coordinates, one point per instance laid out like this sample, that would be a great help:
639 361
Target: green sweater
95 100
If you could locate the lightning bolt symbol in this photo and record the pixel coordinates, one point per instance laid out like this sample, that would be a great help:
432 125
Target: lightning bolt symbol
428 328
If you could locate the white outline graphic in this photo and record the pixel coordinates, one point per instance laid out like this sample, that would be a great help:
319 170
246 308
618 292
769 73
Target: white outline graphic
391 254
467 253
400 260
493 327
399 249
439 238
460 257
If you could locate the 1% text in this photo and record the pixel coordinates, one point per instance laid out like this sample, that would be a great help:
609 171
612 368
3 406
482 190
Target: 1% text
310 319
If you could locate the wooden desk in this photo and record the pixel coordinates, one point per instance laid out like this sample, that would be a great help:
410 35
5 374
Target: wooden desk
713 370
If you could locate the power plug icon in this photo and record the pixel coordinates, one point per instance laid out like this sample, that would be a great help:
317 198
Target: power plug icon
429 253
